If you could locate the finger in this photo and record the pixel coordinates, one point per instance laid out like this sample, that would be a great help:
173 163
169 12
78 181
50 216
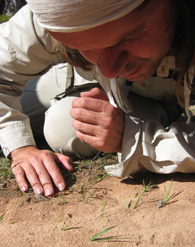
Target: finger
104 143
89 129
86 116
95 105
65 161
32 177
54 171
44 178
95 93
20 178
91 140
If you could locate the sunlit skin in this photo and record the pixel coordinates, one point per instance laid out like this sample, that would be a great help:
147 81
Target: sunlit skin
131 47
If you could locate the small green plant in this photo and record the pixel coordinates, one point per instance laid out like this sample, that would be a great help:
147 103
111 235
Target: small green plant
86 194
126 204
136 195
102 213
58 219
162 202
61 201
146 189
167 196
96 238
65 227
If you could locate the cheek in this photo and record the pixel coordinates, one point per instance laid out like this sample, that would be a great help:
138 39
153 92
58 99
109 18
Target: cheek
152 46
90 56
147 49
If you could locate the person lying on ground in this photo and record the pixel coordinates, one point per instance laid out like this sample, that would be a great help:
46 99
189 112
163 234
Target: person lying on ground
140 52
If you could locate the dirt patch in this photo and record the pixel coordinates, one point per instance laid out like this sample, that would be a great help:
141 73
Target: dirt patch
87 207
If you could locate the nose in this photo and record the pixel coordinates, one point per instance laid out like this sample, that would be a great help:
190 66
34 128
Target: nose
111 61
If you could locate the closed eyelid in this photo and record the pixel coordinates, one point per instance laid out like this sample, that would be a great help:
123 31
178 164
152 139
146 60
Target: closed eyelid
135 35
132 37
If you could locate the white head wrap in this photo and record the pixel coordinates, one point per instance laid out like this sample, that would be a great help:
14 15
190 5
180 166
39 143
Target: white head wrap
78 15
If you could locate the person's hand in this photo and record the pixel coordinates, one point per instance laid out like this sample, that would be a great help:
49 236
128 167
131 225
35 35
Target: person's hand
97 122
40 168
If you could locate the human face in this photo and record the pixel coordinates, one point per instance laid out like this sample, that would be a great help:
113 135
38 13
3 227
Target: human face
131 47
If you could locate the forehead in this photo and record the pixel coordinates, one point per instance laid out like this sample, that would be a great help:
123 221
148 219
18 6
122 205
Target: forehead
153 15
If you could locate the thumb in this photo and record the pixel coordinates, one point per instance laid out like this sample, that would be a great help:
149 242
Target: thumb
64 160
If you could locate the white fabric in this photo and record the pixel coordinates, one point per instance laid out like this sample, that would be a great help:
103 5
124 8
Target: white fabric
59 132
78 15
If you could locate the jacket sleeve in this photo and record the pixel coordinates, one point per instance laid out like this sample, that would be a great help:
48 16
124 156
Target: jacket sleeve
25 53
149 146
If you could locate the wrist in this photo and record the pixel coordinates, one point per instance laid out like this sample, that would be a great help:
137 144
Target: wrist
20 150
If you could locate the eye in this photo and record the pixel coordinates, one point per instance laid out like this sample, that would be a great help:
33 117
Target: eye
134 37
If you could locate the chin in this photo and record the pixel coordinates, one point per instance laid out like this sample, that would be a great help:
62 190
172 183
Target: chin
139 77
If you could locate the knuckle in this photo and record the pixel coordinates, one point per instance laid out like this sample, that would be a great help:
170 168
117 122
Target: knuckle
30 173
77 113
110 108
46 155
42 173
100 103
32 159
80 135
83 102
96 90
100 145
74 102
108 123
78 125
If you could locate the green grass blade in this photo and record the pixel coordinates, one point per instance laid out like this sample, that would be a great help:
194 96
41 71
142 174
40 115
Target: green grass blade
134 207
166 197
94 238
104 205
65 227
1 217
105 239
170 187
125 202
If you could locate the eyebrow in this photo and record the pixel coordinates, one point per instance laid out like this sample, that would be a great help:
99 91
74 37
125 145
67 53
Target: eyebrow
133 33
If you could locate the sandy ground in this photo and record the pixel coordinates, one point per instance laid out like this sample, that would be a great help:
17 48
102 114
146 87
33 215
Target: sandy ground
71 218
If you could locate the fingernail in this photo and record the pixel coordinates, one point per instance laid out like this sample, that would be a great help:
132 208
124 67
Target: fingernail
61 187
39 190
23 188
48 192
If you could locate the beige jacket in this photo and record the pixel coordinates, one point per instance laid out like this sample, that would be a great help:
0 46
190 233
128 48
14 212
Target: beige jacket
25 53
